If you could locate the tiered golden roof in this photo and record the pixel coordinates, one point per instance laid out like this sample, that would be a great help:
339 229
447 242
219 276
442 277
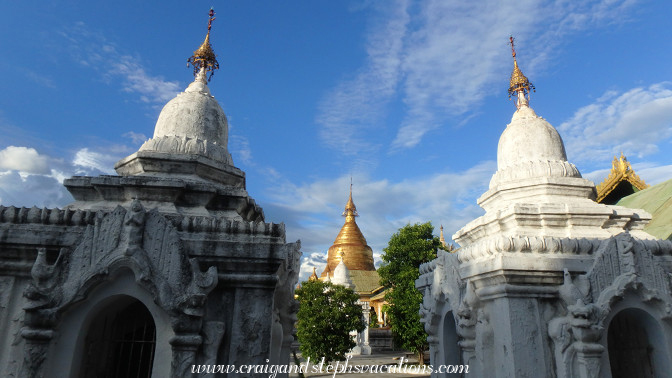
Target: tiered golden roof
313 276
351 244
204 57
519 85
621 172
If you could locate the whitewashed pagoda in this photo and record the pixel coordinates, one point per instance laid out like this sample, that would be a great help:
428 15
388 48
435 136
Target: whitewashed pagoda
167 265
549 283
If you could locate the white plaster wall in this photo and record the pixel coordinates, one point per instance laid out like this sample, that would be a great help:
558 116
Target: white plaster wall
11 321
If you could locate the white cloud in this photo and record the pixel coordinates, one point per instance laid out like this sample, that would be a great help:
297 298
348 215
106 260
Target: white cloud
136 80
32 190
442 58
85 46
635 122
23 159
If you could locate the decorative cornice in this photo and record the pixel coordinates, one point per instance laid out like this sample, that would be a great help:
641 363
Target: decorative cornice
35 215
530 245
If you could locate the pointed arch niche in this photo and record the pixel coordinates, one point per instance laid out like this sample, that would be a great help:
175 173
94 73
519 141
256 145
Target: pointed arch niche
636 345
108 310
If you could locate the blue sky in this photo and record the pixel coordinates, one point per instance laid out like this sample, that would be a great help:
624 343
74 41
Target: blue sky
408 97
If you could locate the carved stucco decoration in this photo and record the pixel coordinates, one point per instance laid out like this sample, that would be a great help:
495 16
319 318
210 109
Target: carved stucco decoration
174 144
445 286
144 242
621 264
285 306
492 246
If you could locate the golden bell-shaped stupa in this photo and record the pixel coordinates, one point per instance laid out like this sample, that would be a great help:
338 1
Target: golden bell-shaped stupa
350 244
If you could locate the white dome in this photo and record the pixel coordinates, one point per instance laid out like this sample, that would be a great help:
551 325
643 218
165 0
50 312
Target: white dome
529 138
530 147
192 123
194 113
342 276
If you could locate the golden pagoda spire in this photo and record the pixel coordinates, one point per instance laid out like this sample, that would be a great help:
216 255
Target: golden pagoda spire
313 276
519 85
350 243
350 208
204 58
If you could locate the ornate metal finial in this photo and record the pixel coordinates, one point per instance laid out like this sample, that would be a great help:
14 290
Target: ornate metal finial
519 84
313 277
204 58
350 208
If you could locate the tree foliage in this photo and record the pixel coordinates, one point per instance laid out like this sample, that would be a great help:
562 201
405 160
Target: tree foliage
411 246
327 314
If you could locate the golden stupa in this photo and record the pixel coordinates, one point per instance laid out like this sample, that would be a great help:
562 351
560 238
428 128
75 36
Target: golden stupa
351 244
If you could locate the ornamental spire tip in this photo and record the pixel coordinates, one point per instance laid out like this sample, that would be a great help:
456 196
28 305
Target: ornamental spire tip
204 58
519 85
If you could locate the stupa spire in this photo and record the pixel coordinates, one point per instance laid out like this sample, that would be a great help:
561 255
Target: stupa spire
350 208
204 59
442 239
350 242
519 85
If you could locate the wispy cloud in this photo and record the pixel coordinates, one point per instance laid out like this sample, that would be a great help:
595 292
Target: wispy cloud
239 147
635 122
92 49
357 104
442 58
136 138
87 162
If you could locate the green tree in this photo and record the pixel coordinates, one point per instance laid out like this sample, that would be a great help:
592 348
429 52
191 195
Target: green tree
373 319
407 249
327 314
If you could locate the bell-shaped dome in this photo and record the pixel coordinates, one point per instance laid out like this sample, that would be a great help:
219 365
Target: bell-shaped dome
529 138
192 123
342 276
194 113
357 255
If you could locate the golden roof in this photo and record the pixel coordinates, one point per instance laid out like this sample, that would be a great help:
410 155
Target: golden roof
519 85
621 171
204 57
351 244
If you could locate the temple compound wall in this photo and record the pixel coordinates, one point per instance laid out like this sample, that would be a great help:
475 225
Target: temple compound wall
167 265
549 283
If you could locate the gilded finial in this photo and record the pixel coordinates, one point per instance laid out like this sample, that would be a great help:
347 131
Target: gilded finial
313 277
204 58
519 84
350 208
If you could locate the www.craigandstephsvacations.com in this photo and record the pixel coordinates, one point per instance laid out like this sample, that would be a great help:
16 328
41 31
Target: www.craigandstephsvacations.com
340 367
